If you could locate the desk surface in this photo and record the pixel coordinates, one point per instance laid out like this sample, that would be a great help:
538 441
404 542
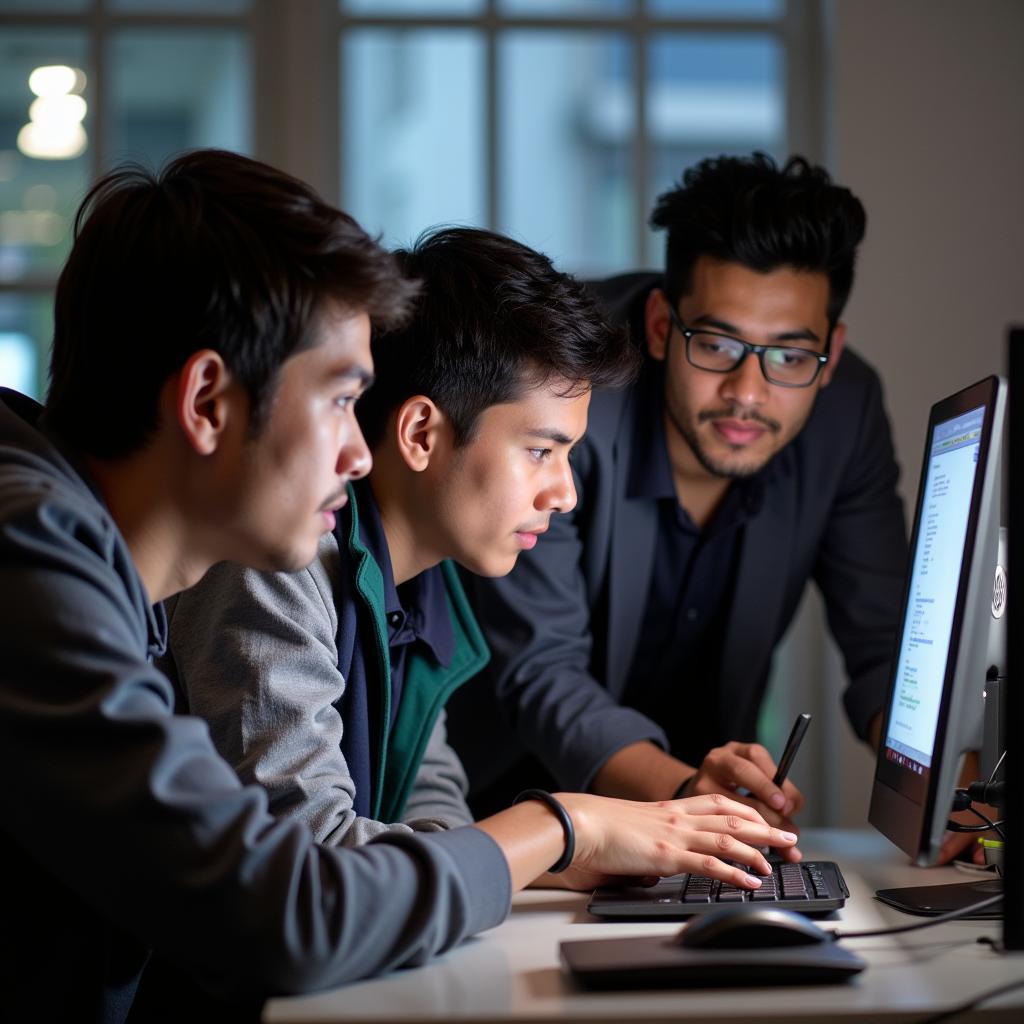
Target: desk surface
512 972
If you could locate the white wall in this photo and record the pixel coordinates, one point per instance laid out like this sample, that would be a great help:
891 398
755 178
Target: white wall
926 125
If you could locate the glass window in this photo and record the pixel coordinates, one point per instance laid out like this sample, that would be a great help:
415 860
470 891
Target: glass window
564 8
567 121
412 8
39 6
718 8
44 142
180 6
175 89
26 329
710 94
413 116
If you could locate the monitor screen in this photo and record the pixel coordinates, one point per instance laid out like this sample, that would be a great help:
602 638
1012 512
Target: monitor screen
935 704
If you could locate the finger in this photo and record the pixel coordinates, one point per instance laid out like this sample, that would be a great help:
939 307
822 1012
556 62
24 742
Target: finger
791 854
752 833
952 844
713 866
753 777
760 757
716 803
776 818
794 798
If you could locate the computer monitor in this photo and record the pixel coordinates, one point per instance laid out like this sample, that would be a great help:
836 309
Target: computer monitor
1013 769
935 706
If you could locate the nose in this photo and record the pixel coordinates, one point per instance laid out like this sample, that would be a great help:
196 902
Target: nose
559 494
746 385
354 458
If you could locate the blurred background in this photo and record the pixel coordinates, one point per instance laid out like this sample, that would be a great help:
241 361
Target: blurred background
559 122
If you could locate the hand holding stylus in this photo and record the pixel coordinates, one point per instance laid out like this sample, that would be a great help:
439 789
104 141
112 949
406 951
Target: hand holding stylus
746 772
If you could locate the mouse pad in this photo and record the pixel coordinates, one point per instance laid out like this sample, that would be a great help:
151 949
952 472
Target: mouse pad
659 962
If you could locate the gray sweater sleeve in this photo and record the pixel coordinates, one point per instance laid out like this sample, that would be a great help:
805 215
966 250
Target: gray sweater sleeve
168 845
255 655
438 797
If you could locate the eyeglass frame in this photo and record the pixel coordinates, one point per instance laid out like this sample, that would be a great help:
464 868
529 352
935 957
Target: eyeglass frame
748 348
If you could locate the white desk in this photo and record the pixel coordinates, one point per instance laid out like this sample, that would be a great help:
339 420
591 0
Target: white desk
512 973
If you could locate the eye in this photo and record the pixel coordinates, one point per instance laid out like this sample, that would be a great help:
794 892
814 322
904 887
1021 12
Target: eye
539 454
790 357
345 402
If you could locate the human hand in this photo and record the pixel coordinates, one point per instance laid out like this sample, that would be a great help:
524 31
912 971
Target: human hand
748 766
618 839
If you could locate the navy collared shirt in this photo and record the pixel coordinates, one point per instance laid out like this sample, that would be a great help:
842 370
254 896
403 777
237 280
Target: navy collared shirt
416 611
416 614
673 678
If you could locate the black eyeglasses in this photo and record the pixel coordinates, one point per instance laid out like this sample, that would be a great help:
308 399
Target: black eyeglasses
720 353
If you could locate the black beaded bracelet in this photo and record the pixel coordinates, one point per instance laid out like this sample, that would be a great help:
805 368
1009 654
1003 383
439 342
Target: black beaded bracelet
678 794
563 816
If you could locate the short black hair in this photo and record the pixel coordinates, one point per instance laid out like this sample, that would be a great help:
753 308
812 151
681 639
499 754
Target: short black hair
747 210
493 319
215 251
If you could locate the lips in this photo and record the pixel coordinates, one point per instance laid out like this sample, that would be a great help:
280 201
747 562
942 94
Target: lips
328 511
738 432
528 538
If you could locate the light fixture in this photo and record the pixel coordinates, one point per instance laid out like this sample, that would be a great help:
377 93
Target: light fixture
54 130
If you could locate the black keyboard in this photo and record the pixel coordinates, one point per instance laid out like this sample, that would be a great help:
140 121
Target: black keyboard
812 887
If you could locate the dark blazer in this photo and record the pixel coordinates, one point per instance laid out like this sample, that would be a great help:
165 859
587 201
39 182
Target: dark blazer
563 625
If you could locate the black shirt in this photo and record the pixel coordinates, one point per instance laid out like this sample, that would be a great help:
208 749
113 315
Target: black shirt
675 669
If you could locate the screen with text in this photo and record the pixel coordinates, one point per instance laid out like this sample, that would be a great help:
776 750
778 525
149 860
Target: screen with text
938 558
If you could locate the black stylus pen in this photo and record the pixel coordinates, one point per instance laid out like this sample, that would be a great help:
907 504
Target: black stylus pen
792 746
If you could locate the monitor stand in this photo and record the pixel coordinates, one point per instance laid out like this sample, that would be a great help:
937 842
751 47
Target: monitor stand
932 900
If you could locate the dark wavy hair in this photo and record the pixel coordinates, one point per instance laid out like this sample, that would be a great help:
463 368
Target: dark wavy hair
493 319
215 251
747 210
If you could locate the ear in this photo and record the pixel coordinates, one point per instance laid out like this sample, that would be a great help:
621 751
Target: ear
421 430
835 351
657 324
204 400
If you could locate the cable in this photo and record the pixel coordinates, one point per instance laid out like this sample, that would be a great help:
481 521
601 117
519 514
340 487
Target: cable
963 801
989 822
972 1003
995 771
950 915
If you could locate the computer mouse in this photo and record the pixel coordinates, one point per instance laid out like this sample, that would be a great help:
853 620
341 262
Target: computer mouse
750 928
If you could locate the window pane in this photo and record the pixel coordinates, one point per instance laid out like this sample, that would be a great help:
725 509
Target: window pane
566 103
564 8
181 6
178 89
710 94
26 329
44 162
718 8
414 8
412 151
38 6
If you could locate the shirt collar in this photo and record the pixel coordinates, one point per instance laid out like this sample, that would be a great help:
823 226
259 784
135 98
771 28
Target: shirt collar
418 610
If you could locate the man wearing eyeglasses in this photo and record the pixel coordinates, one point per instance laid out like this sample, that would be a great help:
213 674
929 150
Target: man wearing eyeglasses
632 646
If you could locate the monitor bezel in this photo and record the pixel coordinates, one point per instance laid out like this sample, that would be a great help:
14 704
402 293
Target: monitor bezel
898 808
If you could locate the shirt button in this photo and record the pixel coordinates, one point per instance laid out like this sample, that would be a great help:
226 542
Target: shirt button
395 618
691 614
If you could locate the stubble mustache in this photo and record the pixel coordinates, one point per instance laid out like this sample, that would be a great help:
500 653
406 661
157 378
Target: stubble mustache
732 413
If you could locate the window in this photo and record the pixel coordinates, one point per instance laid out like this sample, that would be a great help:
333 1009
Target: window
560 121
127 80
557 121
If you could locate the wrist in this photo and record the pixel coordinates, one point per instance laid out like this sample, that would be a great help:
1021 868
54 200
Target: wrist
557 807
683 789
